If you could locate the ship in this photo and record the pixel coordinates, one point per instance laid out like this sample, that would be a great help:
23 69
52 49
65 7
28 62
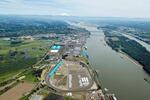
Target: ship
111 97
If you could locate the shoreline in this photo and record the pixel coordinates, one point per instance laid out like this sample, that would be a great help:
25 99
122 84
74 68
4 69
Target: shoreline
130 59
93 73
94 76
133 61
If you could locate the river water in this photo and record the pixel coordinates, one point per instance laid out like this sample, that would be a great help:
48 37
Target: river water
116 72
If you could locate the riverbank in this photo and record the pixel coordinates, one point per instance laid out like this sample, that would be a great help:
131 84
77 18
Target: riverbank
131 59
132 48
94 76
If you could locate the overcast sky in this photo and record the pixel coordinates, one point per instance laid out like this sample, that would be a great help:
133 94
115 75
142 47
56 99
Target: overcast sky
102 8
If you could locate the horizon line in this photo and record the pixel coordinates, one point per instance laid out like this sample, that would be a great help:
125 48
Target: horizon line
76 16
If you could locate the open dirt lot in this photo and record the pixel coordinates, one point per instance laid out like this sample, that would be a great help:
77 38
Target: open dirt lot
16 92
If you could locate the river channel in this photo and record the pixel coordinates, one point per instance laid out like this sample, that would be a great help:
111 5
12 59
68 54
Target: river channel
116 71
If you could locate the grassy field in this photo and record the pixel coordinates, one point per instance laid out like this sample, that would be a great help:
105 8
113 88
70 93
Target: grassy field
30 76
15 58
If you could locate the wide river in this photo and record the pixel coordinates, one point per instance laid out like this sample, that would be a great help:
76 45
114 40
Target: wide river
116 72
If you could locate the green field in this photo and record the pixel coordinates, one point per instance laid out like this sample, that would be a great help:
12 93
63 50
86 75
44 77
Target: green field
16 57
30 76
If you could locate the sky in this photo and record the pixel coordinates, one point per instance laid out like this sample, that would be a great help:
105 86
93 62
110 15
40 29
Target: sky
98 8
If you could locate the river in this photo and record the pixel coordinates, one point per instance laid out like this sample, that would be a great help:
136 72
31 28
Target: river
116 71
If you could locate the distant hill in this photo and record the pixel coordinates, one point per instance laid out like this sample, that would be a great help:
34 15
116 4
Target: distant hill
30 25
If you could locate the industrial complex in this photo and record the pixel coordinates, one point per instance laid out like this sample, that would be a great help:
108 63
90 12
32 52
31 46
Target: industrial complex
69 72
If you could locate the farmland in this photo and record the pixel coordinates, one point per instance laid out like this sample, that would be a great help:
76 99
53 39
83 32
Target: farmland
17 57
16 92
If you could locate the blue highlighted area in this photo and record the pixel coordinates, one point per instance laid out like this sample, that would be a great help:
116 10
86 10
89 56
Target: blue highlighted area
55 68
56 47
85 53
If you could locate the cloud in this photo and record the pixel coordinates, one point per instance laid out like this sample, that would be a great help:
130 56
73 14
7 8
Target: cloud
108 8
64 14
